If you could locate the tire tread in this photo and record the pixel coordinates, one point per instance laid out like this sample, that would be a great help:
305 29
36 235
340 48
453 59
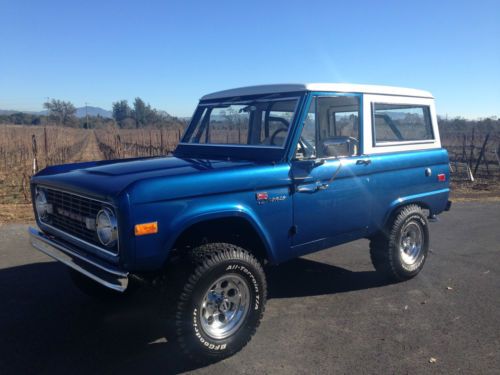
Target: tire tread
382 245
203 259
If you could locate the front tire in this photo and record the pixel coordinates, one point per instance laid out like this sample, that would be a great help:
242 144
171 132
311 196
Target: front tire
222 302
400 252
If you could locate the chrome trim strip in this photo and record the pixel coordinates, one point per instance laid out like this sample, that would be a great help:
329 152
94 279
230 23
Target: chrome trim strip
64 255
404 143
41 222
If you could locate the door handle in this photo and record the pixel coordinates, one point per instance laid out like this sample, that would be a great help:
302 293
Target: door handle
306 189
311 189
363 161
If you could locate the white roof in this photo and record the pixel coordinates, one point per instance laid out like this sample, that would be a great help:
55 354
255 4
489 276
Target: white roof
331 87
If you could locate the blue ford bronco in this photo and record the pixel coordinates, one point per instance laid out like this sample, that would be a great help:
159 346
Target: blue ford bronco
263 174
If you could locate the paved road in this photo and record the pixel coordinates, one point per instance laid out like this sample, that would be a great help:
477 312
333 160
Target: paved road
328 313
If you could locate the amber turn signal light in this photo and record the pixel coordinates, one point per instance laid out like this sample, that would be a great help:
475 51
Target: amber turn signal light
146 228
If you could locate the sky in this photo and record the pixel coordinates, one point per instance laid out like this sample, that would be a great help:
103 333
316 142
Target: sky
171 53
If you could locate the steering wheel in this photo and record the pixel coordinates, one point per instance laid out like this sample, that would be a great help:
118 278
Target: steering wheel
276 132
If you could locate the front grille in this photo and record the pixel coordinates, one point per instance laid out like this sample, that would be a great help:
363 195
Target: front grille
74 215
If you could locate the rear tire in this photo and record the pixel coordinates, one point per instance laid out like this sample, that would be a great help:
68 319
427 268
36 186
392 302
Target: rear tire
222 302
400 252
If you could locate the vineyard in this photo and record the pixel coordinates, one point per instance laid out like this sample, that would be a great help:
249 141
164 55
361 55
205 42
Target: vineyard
474 157
20 146
474 162
26 149
127 143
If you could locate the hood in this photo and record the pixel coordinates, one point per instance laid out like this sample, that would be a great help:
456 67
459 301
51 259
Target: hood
107 179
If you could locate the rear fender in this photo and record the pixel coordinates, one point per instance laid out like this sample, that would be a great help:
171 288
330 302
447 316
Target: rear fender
434 201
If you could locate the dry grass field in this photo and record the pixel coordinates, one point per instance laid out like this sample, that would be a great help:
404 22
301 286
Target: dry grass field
20 146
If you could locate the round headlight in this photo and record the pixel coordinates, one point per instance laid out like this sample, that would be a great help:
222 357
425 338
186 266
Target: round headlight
43 208
106 227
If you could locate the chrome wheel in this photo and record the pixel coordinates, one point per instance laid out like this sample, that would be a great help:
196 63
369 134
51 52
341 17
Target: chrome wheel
410 243
225 306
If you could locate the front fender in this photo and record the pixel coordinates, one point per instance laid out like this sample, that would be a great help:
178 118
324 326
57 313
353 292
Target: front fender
178 203
206 213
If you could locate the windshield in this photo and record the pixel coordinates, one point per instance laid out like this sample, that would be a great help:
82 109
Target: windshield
261 122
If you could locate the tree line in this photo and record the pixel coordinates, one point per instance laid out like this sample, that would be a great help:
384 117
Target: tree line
140 115
460 125
63 113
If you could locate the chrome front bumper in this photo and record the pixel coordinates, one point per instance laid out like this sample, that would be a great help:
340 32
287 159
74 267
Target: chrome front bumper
105 274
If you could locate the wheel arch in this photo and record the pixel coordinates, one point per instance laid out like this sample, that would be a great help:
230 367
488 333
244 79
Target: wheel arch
433 201
237 227
398 205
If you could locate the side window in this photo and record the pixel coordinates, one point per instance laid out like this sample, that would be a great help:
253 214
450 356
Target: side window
331 128
346 124
401 123
338 124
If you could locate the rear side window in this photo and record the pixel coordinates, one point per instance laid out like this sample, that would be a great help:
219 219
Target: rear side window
401 123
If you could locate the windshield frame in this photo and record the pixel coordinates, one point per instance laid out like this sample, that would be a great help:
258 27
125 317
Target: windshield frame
239 151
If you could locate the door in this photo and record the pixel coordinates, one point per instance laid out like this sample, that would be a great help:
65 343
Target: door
331 177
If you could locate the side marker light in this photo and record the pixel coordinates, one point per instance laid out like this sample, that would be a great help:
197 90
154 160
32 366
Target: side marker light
146 228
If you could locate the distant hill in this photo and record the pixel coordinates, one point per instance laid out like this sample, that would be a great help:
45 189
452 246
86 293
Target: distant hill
6 112
93 111
80 112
